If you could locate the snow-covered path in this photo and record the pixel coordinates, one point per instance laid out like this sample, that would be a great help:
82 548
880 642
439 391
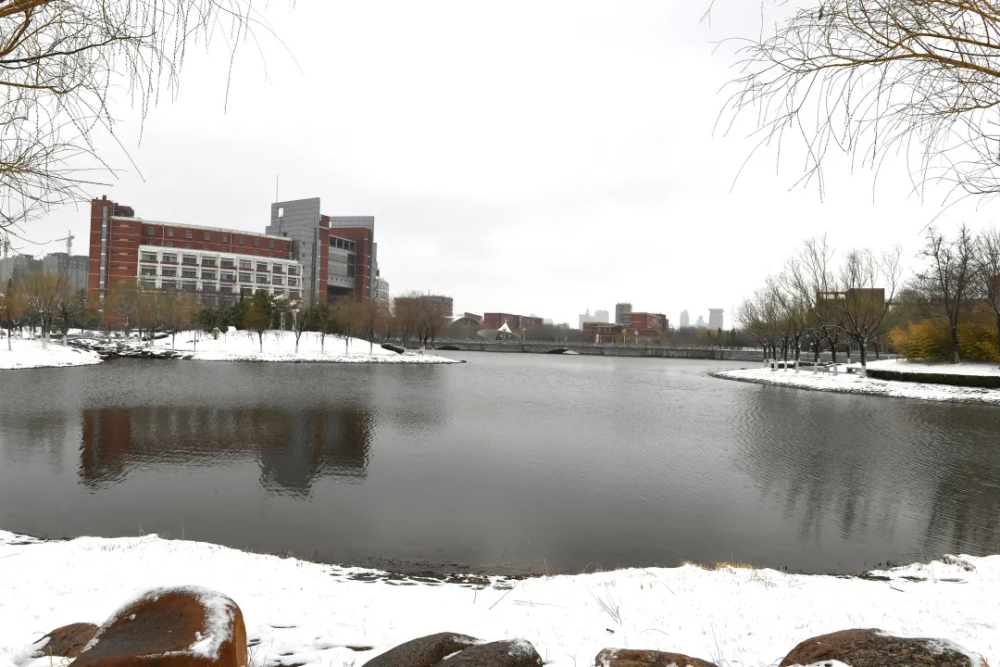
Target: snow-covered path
300 612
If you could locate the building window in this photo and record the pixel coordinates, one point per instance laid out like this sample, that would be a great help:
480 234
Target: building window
277 268
228 264
148 271
169 258
169 271
246 264
149 256
261 280
189 234
208 237
190 259
286 245
189 273
148 283
293 270
149 231
227 275
225 238
293 282
187 246
208 261
256 242
239 240
276 280
170 232
271 244
169 244
169 284
261 266
245 278
281 211
208 275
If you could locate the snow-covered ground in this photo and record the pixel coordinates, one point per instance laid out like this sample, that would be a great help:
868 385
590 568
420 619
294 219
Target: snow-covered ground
280 346
850 383
26 353
304 613
904 366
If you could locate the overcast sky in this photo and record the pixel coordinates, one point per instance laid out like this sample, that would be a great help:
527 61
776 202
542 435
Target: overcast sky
526 157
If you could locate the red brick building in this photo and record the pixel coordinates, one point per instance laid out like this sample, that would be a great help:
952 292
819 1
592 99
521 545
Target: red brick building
635 325
514 322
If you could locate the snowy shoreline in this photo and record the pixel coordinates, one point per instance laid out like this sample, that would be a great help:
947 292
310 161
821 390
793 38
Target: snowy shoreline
28 353
305 613
853 383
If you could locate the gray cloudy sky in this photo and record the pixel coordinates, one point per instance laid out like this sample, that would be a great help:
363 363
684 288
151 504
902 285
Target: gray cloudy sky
528 157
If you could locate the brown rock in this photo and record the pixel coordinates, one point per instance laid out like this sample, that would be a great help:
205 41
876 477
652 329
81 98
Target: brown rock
171 627
65 642
514 653
623 657
874 648
422 652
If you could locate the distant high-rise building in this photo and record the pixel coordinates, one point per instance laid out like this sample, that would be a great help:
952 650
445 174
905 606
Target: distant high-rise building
586 317
685 319
602 316
715 318
700 324
621 309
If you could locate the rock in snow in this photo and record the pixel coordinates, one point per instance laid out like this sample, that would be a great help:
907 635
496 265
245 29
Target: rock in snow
515 653
66 641
171 627
423 651
874 648
620 657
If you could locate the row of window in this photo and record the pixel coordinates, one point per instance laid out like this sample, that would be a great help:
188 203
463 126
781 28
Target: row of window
207 236
209 287
343 244
225 276
225 263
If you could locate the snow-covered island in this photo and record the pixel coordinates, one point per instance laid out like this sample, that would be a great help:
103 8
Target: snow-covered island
849 380
28 353
279 346
303 613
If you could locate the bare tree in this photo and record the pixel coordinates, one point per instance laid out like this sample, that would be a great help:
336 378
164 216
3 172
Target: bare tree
372 315
69 306
987 263
948 277
869 282
40 292
62 61
259 314
346 315
873 78
12 309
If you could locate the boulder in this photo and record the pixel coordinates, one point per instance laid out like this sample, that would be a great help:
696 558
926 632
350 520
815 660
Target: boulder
422 652
623 657
513 653
65 642
874 648
171 627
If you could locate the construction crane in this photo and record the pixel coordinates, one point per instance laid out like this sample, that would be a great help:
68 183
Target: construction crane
69 243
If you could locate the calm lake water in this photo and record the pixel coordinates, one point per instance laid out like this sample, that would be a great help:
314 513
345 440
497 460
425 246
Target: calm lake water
559 462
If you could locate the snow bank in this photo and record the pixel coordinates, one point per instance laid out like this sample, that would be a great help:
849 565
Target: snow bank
280 346
301 612
35 354
850 383
904 366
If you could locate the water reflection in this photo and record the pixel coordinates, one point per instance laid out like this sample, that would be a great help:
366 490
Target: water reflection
293 448
862 469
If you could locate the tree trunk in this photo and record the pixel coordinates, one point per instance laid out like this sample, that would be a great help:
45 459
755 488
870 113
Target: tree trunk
260 337
322 342
173 338
998 331
371 346
863 349
954 344
297 335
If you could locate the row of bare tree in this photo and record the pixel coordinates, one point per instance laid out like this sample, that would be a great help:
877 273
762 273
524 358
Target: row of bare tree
822 301
37 302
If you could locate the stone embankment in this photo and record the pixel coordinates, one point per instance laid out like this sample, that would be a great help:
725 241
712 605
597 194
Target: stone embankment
197 627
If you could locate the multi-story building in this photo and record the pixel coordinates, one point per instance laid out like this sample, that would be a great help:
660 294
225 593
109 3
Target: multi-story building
13 268
621 309
382 290
73 268
602 316
514 322
647 324
444 304
335 257
338 253
685 319
715 318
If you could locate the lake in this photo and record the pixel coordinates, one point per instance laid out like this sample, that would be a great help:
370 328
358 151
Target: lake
509 463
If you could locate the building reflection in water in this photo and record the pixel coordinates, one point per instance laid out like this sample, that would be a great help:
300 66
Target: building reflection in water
293 448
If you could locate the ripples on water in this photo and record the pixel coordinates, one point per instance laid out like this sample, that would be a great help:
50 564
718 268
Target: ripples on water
558 462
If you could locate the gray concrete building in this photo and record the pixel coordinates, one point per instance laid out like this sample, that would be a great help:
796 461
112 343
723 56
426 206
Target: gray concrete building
72 267
621 309
715 318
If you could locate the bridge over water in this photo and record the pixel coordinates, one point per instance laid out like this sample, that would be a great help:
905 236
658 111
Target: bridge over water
608 350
